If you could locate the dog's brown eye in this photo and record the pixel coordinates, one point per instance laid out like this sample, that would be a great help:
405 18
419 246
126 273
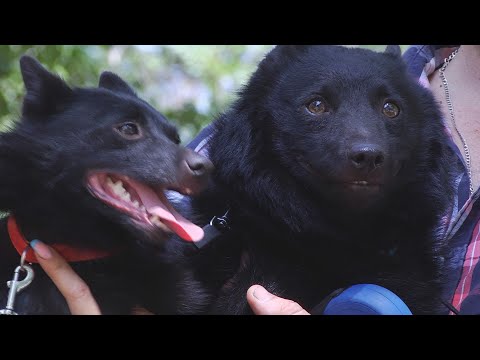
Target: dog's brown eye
129 130
317 107
390 109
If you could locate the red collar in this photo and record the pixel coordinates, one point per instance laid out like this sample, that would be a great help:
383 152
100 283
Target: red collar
69 253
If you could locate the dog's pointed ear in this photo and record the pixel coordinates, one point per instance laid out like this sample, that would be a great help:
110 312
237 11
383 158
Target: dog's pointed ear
111 81
46 92
288 50
281 52
281 55
271 67
393 50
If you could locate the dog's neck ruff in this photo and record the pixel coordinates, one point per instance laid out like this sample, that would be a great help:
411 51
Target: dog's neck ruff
69 253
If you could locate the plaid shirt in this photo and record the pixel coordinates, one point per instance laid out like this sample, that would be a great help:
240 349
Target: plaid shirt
461 225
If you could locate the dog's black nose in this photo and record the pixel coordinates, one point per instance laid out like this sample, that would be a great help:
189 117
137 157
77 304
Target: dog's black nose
197 165
366 156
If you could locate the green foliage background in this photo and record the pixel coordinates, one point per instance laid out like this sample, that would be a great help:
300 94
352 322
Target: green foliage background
190 84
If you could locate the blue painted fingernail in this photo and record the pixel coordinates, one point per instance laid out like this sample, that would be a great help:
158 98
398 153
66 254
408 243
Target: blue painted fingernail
41 249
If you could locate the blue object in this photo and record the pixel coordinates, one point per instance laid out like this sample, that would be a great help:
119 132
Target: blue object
367 299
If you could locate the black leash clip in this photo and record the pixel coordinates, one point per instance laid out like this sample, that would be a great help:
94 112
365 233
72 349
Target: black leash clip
218 226
221 223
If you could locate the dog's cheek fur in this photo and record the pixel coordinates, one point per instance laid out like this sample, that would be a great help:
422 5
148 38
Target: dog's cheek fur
18 171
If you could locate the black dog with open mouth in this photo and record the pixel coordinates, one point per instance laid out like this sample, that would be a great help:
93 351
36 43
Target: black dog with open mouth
86 169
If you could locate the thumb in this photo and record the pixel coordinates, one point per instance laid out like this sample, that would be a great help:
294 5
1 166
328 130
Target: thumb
264 303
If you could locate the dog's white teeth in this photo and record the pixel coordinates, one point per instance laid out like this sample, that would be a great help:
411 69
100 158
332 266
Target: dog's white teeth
117 187
126 196
136 204
142 208
109 181
119 190
157 222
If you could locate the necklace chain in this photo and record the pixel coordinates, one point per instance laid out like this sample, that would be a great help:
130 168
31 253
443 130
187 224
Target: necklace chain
452 116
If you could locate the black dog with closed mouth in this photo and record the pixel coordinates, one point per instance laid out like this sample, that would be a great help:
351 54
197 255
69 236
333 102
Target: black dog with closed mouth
333 164
87 168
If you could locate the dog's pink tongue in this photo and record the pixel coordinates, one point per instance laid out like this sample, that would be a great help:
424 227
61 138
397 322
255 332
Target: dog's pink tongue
176 222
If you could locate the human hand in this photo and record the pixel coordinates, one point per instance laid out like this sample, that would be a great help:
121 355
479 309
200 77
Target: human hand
81 302
76 292
264 303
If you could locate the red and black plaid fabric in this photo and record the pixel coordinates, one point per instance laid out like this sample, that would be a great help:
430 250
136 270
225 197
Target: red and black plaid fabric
461 226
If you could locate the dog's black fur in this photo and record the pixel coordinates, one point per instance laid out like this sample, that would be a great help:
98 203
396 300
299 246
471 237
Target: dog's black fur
298 224
64 133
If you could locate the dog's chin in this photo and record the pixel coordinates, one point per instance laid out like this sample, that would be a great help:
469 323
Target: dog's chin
350 197
358 196
359 188
352 194
145 234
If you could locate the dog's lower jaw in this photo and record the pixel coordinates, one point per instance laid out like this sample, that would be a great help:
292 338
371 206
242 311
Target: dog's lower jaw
151 238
